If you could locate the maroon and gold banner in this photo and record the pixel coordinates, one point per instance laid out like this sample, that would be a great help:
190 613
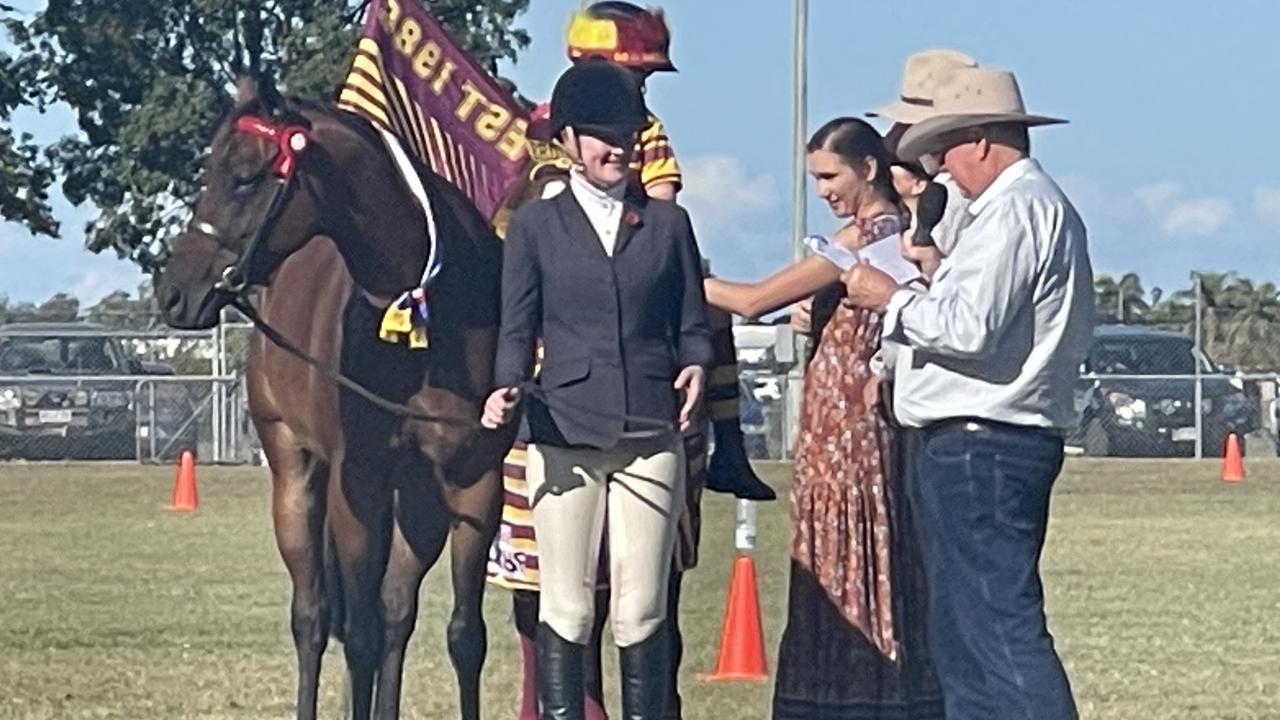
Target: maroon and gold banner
410 78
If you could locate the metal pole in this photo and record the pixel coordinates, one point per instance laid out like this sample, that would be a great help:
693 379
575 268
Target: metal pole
152 411
799 123
1199 390
744 535
219 398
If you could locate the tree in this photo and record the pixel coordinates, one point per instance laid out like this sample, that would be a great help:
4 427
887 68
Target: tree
25 173
148 79
122 311
59 308
1123 301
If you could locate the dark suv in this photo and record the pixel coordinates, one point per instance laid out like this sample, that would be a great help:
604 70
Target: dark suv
1129 404
69 390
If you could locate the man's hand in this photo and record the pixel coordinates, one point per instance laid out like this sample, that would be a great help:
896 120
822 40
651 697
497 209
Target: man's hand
927 258
867 287
802 316
500 408
691 381
871 393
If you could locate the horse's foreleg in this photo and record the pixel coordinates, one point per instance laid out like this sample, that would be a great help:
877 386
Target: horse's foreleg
417 539
475 509
359 507
297 511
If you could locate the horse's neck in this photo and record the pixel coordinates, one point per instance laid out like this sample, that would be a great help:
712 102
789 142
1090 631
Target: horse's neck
380 227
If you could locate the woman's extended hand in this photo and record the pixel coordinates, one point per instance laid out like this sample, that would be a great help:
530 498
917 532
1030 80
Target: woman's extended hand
500 408
691 380
802 316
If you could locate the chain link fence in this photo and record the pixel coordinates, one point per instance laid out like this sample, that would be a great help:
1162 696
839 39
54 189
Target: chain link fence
147 396
75 391
1143 391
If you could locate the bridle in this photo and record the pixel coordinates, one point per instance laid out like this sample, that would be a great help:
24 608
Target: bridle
290 141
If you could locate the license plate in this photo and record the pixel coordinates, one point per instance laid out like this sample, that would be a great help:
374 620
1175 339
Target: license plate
54 417
1183 434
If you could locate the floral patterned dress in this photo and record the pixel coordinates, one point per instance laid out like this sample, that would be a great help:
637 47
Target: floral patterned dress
854 647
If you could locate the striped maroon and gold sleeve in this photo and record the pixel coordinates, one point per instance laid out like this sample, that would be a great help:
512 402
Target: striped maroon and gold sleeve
655 159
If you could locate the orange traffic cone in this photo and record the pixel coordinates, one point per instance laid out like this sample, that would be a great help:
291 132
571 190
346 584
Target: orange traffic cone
742 641
1232 461
184 488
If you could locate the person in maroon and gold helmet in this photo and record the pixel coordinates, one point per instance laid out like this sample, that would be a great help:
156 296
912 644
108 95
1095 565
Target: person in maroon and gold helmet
639 40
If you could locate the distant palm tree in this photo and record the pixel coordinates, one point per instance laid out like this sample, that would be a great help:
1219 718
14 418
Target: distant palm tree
1240 323
1120 301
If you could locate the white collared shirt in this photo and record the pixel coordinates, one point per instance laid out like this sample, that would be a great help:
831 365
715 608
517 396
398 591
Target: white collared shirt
1001 332
602 207
947 232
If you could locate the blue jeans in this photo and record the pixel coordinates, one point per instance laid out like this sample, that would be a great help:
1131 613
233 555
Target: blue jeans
981 491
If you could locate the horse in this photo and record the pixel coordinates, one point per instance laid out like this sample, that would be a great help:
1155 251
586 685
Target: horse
303 201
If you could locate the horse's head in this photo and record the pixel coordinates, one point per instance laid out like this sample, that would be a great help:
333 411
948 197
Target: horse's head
254 210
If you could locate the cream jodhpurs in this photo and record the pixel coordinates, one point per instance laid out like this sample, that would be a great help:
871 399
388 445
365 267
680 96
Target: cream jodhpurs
637 487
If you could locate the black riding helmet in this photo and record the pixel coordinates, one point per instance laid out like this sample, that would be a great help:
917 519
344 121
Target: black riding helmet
600 99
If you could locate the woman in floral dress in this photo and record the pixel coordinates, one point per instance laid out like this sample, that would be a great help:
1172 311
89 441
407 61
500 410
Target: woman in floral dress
854 647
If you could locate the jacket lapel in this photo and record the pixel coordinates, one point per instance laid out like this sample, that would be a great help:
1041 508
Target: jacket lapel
576 222
633 206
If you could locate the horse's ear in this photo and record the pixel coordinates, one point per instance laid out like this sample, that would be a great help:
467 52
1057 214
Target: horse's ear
272 101
258 89
246 90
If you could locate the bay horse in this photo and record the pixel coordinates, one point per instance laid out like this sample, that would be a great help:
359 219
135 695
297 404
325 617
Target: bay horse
303 200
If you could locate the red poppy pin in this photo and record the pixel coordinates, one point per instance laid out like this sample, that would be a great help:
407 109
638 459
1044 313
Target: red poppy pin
633 219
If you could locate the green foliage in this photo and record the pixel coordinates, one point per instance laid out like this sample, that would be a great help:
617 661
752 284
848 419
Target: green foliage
148 79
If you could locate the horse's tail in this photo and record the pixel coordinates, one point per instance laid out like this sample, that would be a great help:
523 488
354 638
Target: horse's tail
333 585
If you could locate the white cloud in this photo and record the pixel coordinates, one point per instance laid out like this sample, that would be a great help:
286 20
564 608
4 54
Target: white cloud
737 216
721 195
1200 217
1176 215
1266 205
1157 197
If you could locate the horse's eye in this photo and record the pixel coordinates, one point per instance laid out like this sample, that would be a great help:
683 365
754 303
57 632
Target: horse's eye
245 182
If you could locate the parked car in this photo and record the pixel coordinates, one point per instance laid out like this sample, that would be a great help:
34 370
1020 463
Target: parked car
1133 414
69 390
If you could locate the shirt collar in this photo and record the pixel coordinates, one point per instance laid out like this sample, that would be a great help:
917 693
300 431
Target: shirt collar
586 192
1011 174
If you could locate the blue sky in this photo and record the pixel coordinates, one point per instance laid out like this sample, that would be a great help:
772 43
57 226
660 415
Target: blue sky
1169 153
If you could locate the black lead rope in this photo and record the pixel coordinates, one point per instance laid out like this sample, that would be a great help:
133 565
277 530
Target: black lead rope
655 427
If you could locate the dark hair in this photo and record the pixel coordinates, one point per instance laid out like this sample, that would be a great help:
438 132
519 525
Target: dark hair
855 141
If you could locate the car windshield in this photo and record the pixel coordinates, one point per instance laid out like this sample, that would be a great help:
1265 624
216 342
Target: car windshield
1165 356
57 355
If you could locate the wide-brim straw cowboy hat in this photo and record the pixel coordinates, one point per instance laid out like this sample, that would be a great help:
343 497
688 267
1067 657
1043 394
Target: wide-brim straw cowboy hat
965 98
919 77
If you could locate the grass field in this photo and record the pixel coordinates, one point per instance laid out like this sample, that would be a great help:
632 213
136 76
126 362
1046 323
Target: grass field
1164 597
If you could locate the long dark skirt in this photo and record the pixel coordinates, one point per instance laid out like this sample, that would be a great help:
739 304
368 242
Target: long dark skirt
828 670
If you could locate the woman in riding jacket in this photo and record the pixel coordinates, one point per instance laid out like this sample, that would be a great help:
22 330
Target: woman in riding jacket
611 281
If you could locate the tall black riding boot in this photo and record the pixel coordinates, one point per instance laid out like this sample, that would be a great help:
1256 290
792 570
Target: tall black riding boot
730 470
645 674
559 676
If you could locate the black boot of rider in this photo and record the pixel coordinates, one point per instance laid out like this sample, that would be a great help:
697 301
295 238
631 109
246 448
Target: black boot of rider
730 471
645 676
559 676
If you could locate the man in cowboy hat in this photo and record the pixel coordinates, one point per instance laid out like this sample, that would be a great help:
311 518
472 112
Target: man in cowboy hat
915 103
996 341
